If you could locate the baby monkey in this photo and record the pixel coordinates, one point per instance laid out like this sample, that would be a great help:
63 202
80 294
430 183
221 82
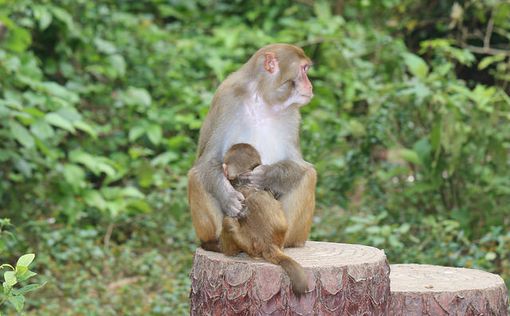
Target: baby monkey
262 232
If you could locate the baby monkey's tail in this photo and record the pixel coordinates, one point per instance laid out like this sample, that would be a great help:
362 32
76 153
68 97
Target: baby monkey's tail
294 270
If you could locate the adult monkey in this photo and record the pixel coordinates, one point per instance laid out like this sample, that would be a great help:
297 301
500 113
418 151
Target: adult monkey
259 105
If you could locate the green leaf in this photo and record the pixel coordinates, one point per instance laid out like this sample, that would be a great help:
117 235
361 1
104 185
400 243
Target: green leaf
136 132
81 125
83 158
410 156
59 91
119 64
423 148
104 166
17 39
18 301
435 138
21 134
322 10
94 199
74 175
42 15
137 96
64 16
27 275
105 46
25 260
154 133
34 112
356 128
58 121
93 163
115 207
487 61
42 129
416 65
28 288
70 114
10 278
132 192
140 205
20 270
165 158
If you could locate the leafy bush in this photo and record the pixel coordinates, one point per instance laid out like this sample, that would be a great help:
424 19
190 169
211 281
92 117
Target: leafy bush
19 273
101 104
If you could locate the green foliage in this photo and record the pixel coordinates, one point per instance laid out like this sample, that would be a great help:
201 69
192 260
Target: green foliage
20 273
101 104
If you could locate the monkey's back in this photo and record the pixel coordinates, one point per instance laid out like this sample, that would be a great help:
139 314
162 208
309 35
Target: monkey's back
265 223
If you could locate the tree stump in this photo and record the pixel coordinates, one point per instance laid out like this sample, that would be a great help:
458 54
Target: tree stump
434 290
343 280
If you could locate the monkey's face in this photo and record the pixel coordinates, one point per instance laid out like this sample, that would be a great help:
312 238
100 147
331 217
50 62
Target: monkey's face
287 74
234 169
301 89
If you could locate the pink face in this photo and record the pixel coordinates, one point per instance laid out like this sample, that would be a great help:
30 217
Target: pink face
304 85
295 87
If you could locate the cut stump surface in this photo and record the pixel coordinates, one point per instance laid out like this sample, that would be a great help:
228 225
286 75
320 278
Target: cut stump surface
343 279
434 290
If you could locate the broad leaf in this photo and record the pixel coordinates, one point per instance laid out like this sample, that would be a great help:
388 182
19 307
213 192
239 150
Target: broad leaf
21 134
416 65
27 275
28 288
58 121
25 260
154 133
18 301
10 278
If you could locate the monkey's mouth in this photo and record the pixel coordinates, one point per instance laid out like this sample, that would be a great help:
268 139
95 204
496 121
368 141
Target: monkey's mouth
309 96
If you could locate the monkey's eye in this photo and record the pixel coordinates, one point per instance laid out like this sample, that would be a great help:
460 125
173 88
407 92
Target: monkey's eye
306 67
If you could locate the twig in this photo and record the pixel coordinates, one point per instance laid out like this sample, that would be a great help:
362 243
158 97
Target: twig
316 41
486 50
339 7
122 282
107 236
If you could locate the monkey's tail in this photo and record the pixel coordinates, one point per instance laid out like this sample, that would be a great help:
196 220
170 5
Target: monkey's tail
294 270
212 245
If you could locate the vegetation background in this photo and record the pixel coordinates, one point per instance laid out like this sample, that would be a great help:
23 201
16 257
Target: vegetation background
101 103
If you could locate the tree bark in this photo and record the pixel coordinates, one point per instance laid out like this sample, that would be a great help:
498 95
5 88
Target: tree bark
440 291
343 280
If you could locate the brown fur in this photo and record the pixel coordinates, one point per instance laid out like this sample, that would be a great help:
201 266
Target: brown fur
262 232
210 194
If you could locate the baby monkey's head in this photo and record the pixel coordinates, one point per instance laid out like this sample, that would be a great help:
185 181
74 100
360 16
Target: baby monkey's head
240 158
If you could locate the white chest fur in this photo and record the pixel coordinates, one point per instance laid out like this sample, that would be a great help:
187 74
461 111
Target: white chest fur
263 128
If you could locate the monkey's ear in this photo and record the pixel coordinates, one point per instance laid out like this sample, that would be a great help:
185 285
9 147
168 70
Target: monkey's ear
225 171
270 62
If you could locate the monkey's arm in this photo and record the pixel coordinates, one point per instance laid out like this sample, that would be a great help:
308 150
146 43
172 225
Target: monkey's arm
280 178
214 181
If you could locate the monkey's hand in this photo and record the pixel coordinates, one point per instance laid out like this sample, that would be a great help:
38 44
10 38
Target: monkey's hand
257 178
233 202
279 178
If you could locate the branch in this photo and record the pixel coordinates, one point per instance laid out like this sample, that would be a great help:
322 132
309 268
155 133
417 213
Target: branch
107 236
486 50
